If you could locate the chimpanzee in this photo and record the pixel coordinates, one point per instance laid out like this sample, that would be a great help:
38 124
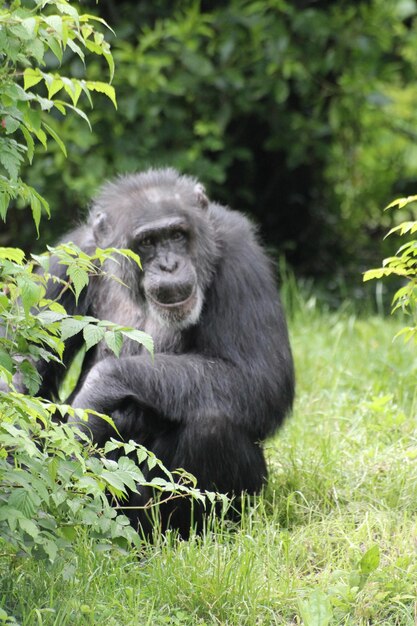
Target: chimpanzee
221 379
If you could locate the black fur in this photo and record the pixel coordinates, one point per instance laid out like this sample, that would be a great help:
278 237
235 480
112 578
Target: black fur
222 379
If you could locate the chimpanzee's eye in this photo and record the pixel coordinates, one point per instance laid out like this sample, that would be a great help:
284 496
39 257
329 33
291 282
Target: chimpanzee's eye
146 242
178 235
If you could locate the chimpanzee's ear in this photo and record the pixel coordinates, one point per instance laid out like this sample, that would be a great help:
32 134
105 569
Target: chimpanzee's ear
100 225
201 197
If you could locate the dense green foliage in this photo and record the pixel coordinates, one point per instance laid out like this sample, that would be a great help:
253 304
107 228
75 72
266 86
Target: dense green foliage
333 535
302 113
27 37
403 265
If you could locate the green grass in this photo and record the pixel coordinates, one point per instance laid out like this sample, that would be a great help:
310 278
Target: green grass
332 541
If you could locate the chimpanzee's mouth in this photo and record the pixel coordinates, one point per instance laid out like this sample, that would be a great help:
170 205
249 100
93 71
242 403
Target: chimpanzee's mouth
175 304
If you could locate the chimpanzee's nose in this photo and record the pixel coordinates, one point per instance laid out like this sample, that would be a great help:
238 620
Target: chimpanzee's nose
168 264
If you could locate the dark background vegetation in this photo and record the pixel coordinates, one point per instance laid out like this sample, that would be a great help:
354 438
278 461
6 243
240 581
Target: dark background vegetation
302 114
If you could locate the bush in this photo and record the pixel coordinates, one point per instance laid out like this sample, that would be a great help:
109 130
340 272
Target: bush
53 482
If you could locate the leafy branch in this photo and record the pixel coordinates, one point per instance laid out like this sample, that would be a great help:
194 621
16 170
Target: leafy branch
404 265
27 35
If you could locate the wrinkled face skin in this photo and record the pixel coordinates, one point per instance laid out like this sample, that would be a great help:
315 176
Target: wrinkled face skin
169 279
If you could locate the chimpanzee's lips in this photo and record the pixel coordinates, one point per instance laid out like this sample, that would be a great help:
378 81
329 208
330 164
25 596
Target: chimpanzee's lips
178 304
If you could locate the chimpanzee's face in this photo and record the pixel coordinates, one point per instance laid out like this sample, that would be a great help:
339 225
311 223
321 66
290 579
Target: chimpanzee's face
169 280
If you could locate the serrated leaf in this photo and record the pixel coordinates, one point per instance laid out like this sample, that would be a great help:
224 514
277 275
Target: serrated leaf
67 9
113 480
11 124
92 335
36 49
79 112
30 24
128 253
105 88
30 293
12 254
401 202
404 228
141 337
6 361
49 317
11 160
31 76
24 500
71 327
29 527
55 46
30 144
31 377
55 22
55 85
36 209
110 63
52 466
51 549
114 340
76 49
72 88
79 278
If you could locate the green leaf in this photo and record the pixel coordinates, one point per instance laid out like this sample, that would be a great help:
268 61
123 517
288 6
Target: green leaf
29 527
29 142
55 22
6 361
10 157
4 204
73 89
316 610
401 202
114 340
31 377
36 209
55 85
30 292
370 560
55 46
113 480
127 253
50 317
79 278
12 254
31 76
141 337
30 25
110 63
71 327
404 228
78 111
56 137
51 549
67 9
101 87
76 49
24 501
92 335
11 124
